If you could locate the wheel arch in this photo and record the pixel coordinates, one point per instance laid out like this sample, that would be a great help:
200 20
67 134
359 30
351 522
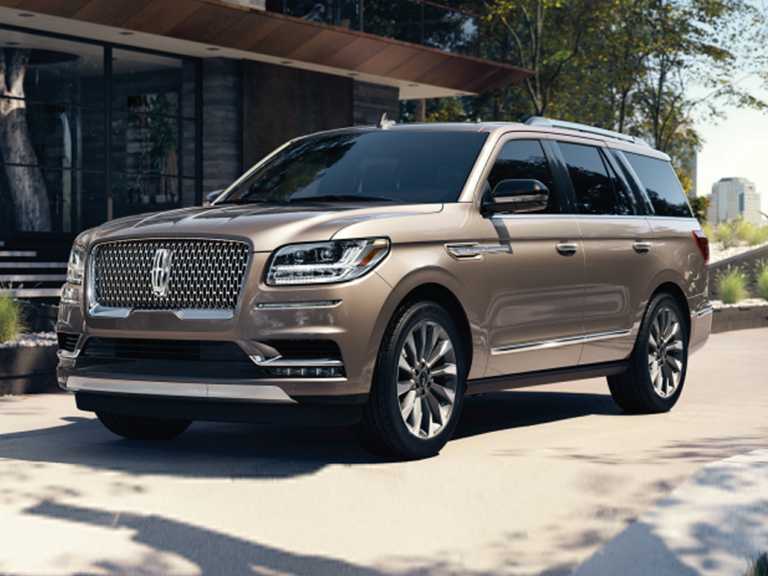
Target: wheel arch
432 289
674 290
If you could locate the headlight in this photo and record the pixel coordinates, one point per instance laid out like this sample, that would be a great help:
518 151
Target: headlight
325 262
76 266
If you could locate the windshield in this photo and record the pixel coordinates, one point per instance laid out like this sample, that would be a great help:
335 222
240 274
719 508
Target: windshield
372 166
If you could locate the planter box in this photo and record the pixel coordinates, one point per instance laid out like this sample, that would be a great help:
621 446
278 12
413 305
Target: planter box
740 317
28 369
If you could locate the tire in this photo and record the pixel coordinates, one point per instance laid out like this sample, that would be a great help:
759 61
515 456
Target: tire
137 428
415 417
656 374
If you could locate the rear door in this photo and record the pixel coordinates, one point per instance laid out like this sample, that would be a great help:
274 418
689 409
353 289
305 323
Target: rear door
533 288
617 240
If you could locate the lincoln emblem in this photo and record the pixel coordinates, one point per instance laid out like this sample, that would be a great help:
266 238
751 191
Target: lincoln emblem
161 272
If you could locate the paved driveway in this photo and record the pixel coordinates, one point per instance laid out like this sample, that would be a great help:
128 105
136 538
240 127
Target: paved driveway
536 482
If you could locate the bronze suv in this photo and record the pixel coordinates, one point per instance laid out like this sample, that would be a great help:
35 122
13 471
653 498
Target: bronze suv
382 274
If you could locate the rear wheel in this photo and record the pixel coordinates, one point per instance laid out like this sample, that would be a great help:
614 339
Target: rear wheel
655 378
418 389
138 428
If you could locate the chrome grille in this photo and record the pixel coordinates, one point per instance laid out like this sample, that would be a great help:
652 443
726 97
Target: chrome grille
204 274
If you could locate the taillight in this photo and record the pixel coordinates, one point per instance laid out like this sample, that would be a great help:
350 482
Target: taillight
703 244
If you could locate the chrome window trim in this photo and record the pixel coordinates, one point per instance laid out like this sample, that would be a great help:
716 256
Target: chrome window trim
559 342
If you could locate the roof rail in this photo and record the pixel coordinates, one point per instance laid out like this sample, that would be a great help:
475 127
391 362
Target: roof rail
551 123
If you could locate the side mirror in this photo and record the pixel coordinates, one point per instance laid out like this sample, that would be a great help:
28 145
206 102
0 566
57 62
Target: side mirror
211 196
517 196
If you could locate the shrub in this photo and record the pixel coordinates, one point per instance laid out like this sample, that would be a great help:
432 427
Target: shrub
10 319
762 281
762 234
759 567
747 232
732 286
726 235
708 230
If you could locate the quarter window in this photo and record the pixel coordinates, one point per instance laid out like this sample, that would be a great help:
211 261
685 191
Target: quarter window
524 160
597 188
661 184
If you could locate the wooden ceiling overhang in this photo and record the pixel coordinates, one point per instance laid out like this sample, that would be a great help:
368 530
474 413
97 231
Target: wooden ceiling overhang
217 23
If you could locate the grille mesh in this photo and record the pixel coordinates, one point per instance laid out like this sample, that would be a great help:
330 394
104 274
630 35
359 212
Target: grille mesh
204 274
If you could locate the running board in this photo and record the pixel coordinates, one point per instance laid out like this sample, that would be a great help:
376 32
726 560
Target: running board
512 381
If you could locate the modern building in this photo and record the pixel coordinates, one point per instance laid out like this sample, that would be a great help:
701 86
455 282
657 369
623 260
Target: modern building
115 107
734 198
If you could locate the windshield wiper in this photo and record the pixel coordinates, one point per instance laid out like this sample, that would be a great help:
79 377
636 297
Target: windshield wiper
341 198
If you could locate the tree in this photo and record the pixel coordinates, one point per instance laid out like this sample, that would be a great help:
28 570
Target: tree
25 180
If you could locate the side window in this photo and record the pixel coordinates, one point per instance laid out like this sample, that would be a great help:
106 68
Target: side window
626 200
593 185
524 159
661 184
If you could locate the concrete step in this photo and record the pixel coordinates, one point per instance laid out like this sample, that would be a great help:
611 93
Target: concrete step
18 254
32 292
30 265
27 278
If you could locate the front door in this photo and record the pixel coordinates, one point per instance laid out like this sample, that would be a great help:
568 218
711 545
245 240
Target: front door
534 312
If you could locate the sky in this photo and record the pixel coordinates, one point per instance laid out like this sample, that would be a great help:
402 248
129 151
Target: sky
736 145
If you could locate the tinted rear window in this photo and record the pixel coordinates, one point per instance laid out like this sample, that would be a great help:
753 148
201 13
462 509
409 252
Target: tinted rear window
387 165
661 183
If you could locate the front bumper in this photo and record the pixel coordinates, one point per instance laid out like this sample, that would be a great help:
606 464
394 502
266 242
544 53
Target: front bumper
265 316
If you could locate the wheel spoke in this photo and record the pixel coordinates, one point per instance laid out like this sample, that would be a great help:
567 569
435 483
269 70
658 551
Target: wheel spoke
434 409
439 352
443 393
404 386
407 404
445 370
410 348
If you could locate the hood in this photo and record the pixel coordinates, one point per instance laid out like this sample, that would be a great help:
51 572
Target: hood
267 226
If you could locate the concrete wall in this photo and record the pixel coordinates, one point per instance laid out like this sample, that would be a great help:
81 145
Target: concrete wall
222 121
280 103
370 101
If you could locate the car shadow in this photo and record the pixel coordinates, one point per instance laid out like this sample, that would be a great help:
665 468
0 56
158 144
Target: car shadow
271 451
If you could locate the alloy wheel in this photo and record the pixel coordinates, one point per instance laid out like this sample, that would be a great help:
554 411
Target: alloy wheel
666 350
426 379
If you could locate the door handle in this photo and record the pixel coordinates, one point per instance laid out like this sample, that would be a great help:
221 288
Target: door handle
641 247
567 248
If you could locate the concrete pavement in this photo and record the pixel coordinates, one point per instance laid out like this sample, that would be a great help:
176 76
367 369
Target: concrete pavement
537 482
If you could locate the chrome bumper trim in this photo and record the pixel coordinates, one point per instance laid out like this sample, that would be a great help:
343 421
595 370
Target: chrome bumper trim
99 311
560 342
297 305
250 392
280 362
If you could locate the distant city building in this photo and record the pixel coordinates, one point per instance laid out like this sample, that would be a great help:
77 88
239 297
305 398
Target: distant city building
734 198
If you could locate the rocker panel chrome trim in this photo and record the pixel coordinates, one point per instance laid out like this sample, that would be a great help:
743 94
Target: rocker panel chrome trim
560 342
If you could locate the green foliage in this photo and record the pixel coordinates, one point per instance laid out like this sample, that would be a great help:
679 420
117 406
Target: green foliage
651 68
732 286
759 567
726 235
708 230
699 205
747 232
762 281
10 319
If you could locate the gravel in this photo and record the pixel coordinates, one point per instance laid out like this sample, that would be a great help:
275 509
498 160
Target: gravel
717 253
748 303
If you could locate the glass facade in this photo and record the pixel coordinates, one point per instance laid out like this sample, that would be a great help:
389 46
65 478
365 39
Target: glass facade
90 132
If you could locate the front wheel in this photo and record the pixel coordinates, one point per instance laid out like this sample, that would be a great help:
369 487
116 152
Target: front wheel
656 374
138 428
418 388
